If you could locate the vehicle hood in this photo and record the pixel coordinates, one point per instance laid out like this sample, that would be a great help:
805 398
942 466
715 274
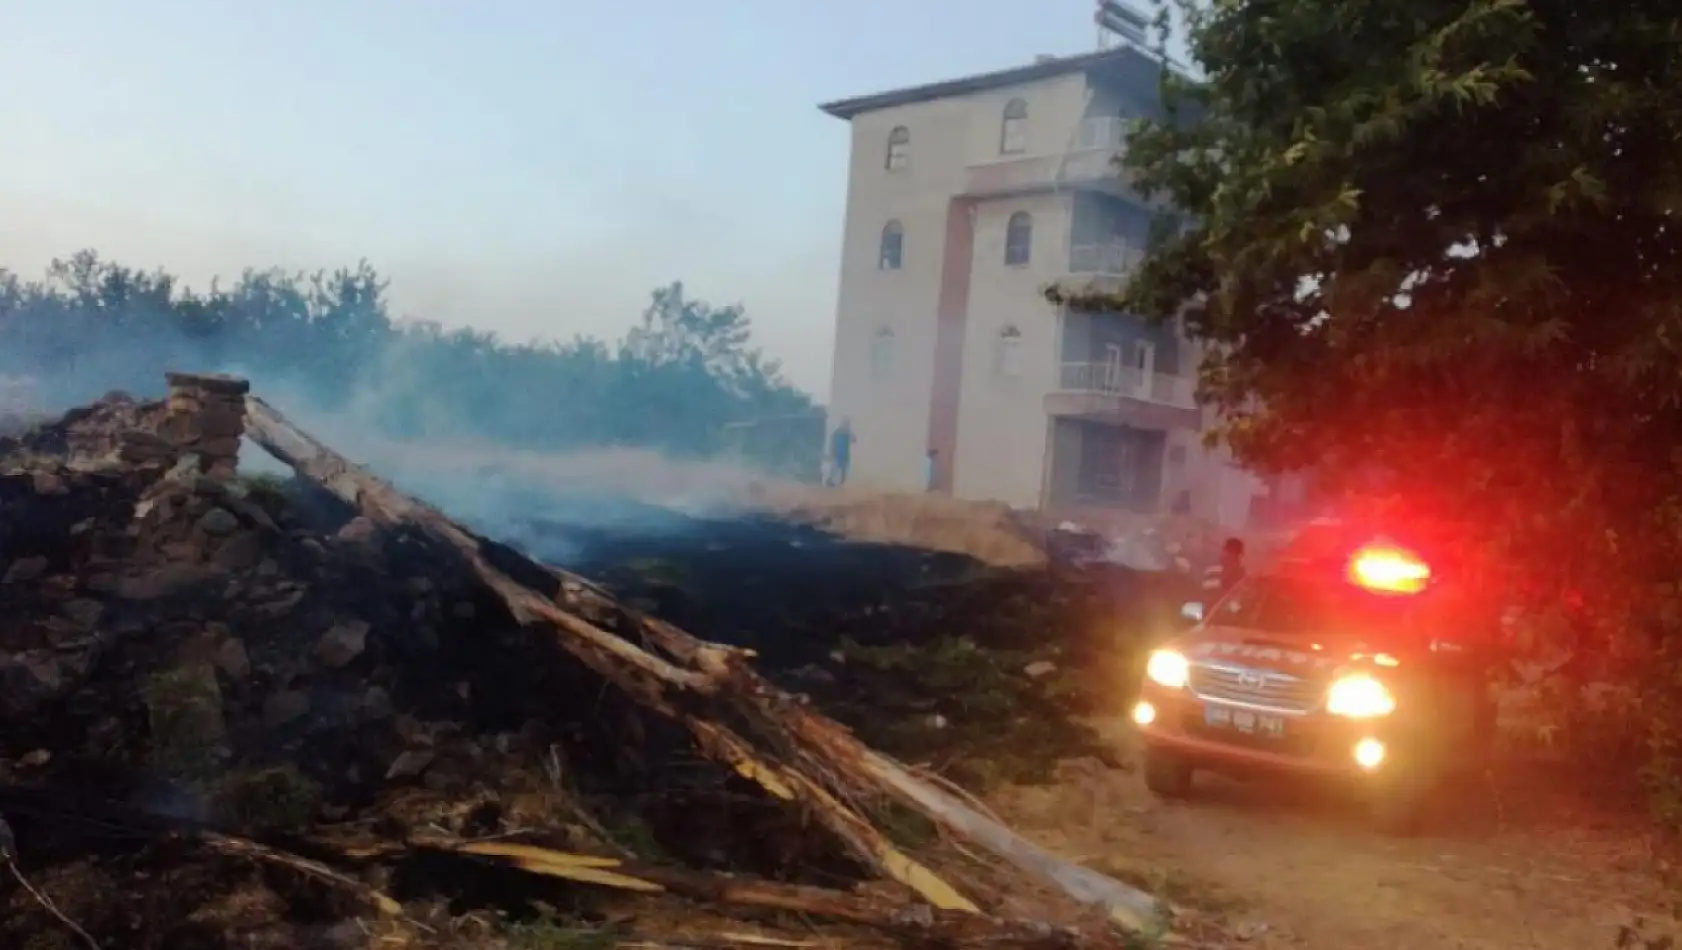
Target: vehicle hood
1301 655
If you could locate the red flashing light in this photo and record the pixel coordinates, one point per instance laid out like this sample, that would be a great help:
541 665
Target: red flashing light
1389 570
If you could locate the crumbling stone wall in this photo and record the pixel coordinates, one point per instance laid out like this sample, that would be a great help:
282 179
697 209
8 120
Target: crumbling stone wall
206 418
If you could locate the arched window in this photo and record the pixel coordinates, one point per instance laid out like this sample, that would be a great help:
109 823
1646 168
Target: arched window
1007 352
882 355
899 148
893 246
1013 132
1019 239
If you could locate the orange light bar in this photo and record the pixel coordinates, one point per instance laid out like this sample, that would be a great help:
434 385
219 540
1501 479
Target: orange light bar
1389 570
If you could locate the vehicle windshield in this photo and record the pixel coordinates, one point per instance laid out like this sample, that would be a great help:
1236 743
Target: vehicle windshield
1294 605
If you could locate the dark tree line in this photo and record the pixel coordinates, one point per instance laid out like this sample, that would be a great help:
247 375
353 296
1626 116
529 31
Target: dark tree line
675 382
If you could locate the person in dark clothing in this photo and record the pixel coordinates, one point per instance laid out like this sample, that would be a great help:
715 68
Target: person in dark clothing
841 451
1232 563
1225 576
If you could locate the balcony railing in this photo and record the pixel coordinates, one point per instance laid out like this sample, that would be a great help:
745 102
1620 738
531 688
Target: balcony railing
1088 162
1103 132
1113 379
1112 258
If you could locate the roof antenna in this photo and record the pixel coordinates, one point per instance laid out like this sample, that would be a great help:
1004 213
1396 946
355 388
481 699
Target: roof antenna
1121 23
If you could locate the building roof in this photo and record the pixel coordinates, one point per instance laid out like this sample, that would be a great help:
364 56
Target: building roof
1043 69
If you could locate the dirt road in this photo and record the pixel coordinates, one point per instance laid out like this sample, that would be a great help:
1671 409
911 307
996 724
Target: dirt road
1287 868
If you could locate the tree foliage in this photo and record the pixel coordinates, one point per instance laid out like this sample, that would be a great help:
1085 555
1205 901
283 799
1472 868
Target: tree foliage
1437 240
674 382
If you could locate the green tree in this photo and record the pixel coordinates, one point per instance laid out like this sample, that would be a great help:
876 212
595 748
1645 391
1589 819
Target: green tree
692 364
1438 240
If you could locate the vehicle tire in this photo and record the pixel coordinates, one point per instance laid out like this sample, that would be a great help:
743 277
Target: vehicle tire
1168 775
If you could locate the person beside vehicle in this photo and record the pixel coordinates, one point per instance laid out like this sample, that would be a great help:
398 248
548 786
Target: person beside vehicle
1222 577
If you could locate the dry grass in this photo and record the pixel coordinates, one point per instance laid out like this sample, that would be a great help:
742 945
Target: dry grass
990 532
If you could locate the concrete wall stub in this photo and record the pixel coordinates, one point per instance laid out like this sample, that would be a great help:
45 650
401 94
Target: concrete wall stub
205 417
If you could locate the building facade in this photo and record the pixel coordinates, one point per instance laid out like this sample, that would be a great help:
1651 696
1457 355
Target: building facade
965 199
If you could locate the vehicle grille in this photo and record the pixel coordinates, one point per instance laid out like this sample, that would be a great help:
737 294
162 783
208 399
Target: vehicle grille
1239 684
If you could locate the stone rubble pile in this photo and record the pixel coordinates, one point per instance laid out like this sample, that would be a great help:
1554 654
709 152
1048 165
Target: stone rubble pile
168 619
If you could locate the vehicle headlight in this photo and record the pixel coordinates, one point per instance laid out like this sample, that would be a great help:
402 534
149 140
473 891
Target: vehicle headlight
1168 668
1359 696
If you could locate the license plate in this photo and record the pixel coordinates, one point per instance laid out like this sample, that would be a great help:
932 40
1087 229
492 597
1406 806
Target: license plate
1245 721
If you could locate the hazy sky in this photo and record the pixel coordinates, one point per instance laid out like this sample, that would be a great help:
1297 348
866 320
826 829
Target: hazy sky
530 167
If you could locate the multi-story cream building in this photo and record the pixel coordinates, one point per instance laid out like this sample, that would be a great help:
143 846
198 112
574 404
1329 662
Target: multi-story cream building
966 198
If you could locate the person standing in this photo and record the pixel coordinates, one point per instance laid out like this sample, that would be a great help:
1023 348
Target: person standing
1232 563
841 451
930 465
1220 578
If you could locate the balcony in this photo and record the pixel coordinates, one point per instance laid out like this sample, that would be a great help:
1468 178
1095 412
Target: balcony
1123 395
1104 259
1110 378
1089 164
1102 267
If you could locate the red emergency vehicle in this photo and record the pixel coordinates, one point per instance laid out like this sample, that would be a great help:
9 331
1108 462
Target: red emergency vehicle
1348 658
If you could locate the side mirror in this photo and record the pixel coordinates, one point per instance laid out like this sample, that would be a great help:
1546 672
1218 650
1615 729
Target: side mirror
1192 611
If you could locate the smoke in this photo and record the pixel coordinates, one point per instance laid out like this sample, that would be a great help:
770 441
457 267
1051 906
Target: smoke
523 497
458 418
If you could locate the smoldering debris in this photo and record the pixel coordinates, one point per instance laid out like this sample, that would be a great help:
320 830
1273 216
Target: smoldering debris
316 712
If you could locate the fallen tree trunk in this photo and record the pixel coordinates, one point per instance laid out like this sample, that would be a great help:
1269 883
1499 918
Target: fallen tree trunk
656 683
712 674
